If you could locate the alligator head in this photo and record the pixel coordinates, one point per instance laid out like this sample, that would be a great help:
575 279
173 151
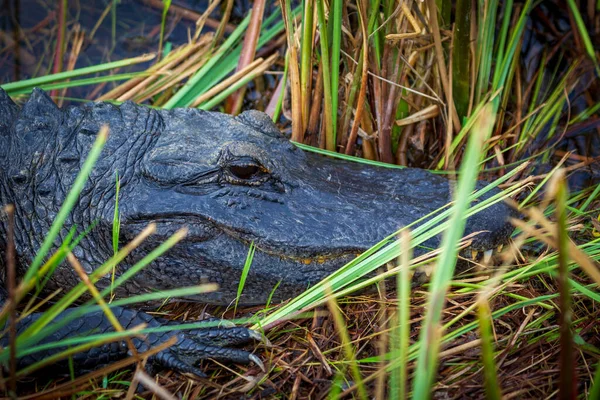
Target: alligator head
231 180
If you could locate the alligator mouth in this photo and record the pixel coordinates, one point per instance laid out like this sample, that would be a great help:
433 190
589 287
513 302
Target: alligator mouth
167 225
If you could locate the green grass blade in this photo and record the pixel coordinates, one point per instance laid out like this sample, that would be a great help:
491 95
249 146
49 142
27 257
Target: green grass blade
116 216
567 376
585 37
306 55
116 229
431 330
336 33
163 19
244 275
401 335
492 387
12 87
327 88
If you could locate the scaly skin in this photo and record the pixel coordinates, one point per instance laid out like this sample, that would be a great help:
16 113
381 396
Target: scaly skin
230 180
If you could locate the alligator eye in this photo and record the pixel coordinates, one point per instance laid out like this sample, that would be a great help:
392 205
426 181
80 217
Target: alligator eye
244 171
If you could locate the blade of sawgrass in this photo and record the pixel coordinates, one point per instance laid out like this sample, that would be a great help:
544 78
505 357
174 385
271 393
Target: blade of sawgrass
583 33
234 78
328 110
98 299
375 34
244 275
501 55
279 106
348 348
585 114
45 272
567 377
401 334
336 386
544 265
116 216
546 234
166 294
180 58
116 229
347 157
467 127
163 20
590 199
29 346
335 27
83 82
486 23
430 334
484 315
29 84
506 55
147 259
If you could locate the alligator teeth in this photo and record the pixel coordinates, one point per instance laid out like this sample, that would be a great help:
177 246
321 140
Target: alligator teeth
474 254
487 256
500 247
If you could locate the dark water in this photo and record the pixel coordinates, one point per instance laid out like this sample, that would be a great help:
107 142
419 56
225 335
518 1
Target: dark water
29 28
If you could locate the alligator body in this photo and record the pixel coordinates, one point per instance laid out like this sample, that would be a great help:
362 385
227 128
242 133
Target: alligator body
231 180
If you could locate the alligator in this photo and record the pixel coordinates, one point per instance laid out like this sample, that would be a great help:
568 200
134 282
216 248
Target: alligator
232 180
